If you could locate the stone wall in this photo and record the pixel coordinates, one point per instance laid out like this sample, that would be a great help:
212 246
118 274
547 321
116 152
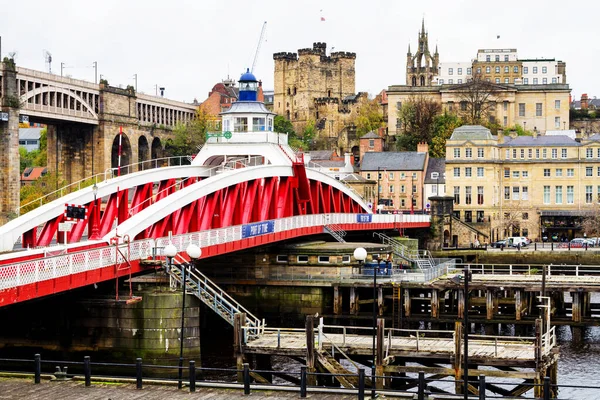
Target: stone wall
9 146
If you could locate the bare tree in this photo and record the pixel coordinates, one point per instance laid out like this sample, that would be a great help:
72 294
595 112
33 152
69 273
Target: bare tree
514 218
591 222
477 98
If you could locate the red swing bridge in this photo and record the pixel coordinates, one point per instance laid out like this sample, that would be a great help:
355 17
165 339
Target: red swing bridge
243 189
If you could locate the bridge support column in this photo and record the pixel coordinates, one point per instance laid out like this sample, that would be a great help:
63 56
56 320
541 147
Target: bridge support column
71 151
577 306
491 304
354 304
9 145
380 304
337 300
407 302
239 321
310 349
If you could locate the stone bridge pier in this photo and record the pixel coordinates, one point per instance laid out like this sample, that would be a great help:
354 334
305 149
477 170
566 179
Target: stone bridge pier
9 143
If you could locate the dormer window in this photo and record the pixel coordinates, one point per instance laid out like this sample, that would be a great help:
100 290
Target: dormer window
435 175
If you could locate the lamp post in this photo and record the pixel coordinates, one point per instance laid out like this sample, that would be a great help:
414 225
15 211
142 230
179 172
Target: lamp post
378 189
96 215
467 278
360 254
170 251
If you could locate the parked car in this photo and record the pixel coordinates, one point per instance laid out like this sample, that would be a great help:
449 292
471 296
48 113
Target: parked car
517 241
499 244
581 242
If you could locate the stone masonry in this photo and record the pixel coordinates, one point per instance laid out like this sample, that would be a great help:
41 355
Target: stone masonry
9 145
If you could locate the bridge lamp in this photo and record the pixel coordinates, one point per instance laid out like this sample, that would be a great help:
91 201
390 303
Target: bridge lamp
96 214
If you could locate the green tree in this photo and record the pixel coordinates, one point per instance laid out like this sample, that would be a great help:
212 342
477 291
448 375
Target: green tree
369 118
417 117
43 186
187 138
444 125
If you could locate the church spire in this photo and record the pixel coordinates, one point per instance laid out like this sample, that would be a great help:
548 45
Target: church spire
423 25
409 49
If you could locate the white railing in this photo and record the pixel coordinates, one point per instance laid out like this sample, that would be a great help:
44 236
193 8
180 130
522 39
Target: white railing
522 270
23 273
248 137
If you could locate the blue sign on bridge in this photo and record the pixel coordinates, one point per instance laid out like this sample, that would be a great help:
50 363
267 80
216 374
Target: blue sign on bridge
364 218
257 229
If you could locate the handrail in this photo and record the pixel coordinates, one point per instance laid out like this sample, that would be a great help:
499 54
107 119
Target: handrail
94 180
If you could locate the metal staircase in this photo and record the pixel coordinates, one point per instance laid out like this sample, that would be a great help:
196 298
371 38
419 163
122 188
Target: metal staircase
337 232
214 297
421 258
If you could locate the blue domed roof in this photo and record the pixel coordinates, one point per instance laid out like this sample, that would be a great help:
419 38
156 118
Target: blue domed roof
248 77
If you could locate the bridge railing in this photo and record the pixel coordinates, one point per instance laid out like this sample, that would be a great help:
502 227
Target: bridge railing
101 177
575 270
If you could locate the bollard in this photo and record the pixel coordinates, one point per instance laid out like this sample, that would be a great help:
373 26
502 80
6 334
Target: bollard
482 387
552 246
192 376
361 384
37 360
87 371
535 246
138 373
546 388
569 245
246 379
421 394
302 382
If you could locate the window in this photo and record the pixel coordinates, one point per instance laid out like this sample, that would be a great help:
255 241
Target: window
546 194
479 70
544 153
506 192
241 124
535 81
434 190
506 57
402 189
570 172
507 172
497 80
554 153
258 124
480 216
414 175
450 71
522 154
480 172
525 193
516 69
544 70
588 194
459 81
282 258
468 172
402 203
497 57
479 194
525 81
459 70
546 172
530 154
402 176
379 175
441 81
468 216
480 152
544 80
515 193
487 58
487 70
324 259
414 188
391 188
345 259
589 171
467 194
589 153
368 175
538 109
506 80
506 69
391 175
497 70
598 173
450 81
456 194
380 189
525 174
514 153
525 216
469 71
507 152
535 70
525 70
563 153
456 153
570 195
559 195
554 80
537 153
371 142
468 153
559 172
521 109
515 174
302 259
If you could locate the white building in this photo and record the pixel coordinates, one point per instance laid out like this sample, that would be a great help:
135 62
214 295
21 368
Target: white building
453 73
497 55
543 71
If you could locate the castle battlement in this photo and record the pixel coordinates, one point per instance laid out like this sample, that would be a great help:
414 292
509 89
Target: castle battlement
285 56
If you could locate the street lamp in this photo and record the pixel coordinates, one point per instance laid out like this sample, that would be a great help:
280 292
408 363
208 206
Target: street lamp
96 215
360 254
170 251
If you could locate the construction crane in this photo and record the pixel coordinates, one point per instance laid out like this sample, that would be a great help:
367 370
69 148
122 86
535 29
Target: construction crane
260 40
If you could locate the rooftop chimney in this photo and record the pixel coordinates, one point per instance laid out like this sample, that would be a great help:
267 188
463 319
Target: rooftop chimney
584 101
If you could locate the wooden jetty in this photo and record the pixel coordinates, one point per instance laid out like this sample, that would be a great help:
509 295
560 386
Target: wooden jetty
523 360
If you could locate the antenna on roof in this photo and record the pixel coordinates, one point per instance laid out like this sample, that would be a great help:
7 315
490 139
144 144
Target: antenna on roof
48 58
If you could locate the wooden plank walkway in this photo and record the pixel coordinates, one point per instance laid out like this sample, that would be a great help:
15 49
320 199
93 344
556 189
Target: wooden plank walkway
14 388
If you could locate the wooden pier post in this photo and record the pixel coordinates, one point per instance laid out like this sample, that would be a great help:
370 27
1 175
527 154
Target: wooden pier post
379 352
461 303
576 306
518 304
407 302
458 336
435 304
239 321
489 304
337 300
310 349
380 300
354 304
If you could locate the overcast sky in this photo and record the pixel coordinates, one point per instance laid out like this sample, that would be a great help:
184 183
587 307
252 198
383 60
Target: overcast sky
188 46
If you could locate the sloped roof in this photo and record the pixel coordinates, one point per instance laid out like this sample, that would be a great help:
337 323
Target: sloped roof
30 133
471 132
356 178
393 161
33 173
435 165
554 140
371 135
320 154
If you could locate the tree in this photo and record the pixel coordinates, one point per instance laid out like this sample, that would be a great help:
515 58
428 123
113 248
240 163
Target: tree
515 217
417 116
38 189
189 137
369 118
591 222
444 125
477 100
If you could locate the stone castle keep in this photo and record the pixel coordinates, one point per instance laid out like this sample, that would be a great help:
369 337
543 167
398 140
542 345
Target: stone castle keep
313 86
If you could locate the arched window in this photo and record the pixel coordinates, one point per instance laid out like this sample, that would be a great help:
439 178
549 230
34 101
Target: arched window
422 81
414 81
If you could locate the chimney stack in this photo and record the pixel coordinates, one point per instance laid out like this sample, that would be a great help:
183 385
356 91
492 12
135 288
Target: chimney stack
422 147
584 101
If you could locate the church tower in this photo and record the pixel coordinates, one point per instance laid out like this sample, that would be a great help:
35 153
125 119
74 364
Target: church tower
422 67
